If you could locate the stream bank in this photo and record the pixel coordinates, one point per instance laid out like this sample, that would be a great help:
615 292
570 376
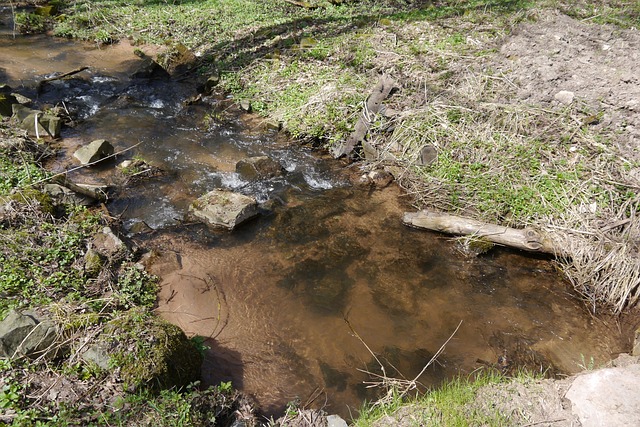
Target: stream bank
308 262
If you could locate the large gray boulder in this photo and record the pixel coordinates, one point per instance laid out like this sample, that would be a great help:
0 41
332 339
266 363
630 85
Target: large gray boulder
259 167
607 397
94 151
220 208
26 334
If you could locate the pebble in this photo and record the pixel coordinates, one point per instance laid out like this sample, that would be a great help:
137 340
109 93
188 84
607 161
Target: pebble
565 96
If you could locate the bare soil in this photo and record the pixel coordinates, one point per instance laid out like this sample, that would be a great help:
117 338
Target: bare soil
598 63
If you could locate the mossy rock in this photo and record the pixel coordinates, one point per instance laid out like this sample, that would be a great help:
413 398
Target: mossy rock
151 353
93 262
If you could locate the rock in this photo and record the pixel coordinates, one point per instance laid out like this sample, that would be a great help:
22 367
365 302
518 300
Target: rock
222 208
7 100
138 227
370 152
428 154
109 245
26 334
335 421
380 178
20 112
22 100
98 353
94 151
149 69
211 83
126 164
260 167
93 262
177 59
245 104
564 96
607 397
48 124
63 195
149 352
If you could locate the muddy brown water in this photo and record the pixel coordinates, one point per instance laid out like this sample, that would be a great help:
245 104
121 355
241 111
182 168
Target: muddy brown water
294 303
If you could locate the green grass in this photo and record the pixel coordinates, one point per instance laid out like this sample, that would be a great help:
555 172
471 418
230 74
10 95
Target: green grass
451 404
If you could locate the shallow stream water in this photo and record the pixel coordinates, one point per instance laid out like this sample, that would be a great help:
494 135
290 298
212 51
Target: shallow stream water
296 303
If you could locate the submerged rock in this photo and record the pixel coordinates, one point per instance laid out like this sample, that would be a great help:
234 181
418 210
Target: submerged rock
27 334
220 208
260 167
94 151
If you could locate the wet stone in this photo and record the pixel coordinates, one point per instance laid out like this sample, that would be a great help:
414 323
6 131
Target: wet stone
63 195
220 208
260 167
94 151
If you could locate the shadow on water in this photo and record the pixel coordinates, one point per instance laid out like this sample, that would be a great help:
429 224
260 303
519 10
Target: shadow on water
279 299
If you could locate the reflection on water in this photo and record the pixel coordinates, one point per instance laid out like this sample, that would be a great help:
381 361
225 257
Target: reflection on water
282 299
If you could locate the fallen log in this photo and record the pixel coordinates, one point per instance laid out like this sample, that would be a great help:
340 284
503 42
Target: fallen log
526 239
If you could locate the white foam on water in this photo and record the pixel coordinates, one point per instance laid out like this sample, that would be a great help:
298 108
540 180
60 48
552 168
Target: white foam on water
232 180
156 103
314 180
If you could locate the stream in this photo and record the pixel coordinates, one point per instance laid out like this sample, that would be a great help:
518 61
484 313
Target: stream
295 304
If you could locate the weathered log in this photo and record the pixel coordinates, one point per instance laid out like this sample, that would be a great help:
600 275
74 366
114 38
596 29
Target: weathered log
372 106
526 239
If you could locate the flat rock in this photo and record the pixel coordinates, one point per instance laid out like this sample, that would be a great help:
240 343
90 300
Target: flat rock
607 397
94 151
220 208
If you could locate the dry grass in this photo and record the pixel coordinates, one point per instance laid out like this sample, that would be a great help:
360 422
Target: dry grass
521 165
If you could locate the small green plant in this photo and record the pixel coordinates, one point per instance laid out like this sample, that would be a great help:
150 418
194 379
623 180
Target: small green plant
136 287
30 23
225 387
587 365
9 395
200 345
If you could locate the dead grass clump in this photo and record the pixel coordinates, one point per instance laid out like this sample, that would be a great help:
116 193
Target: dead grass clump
602 257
